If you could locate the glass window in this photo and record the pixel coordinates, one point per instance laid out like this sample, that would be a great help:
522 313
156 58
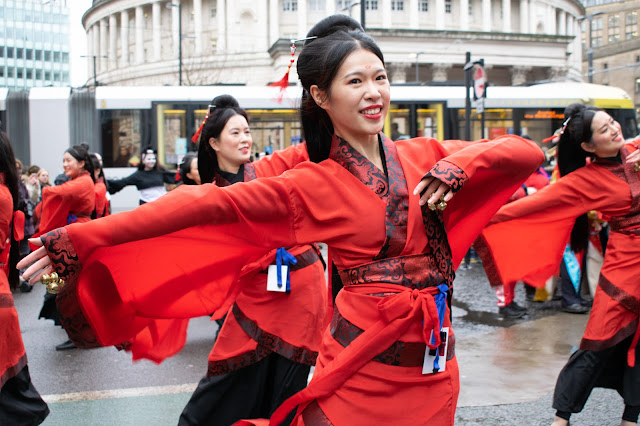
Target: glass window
47 75
1 51
397 4
317 5
38 55
121 137
631 25
614 28
290 5
9 52
423 5
29 74
38 74
19 73
29 54
371 5
10 72
19 52
447 6
56 56
596 32
47 55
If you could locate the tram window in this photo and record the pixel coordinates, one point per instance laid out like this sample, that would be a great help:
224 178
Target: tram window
273 129
122 134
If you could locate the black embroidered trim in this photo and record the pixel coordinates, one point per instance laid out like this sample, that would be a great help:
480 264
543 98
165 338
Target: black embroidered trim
64 258
401 354
448 173
619 295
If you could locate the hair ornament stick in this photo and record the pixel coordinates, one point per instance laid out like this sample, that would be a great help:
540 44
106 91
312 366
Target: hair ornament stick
283 83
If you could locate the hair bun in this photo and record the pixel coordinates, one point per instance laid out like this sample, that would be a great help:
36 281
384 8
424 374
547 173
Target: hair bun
225 101
333 23
573 109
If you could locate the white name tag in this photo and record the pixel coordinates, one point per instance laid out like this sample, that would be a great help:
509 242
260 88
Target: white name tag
430 354
272 278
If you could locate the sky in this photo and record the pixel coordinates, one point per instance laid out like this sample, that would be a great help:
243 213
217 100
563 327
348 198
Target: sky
80 67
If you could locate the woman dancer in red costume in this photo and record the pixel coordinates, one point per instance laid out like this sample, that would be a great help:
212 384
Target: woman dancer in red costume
269 339
387 355
20 402
609 184
73 201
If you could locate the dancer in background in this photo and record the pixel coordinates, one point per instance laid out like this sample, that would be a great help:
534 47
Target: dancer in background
269 339
150 178
20 402
609 183
395 249
71 202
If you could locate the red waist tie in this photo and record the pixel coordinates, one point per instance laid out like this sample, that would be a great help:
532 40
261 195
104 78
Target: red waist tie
398 311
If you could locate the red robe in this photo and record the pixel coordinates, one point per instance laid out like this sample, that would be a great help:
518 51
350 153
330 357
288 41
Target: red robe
289 324
343 201
512 249
73 201
13 357
102 203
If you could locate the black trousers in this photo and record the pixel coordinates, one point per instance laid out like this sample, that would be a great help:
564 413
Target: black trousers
20 402
250 392
586 370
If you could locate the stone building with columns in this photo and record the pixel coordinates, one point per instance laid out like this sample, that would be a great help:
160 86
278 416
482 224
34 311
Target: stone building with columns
245 42
615 41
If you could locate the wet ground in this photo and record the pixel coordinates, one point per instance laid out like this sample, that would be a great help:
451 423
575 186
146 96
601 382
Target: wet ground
508 367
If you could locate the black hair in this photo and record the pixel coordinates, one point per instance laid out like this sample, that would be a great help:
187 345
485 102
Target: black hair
81 153
223 107
571 157
95 162
8 167
336 37
185 167
149 150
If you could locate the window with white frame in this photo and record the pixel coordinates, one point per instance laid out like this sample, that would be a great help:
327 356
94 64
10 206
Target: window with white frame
397 4
317 5
289 5
423 5
371 5
614 28
631 25
447 6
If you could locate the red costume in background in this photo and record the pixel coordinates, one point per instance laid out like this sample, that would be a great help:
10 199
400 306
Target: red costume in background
19 400
393 256
513 249
102 202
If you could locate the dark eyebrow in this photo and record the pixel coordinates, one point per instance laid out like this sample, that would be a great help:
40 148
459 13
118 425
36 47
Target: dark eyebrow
360 72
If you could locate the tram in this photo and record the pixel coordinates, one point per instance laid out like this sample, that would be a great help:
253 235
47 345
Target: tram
119 121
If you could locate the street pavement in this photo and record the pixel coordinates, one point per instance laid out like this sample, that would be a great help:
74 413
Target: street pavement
508 367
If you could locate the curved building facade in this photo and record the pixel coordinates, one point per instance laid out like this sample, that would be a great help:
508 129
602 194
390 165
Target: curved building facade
204 42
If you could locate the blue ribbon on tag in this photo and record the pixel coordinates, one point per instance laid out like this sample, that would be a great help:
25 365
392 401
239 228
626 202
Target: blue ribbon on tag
71 219
283 257
441 300
573 267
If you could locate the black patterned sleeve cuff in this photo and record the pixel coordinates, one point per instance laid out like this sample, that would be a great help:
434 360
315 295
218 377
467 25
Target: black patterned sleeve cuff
448 173
64 258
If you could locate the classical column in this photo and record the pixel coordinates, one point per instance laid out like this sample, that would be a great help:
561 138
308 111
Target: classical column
95 37
464 15
263 26
506 16
486 15
113 42
414 13
552 20
562 22
274 22
386 13
557 73
157 27
221 18
439 72
139 26
533 27
197 26
124 38
398 72
439 14
302 19
103 45
519 75
524 16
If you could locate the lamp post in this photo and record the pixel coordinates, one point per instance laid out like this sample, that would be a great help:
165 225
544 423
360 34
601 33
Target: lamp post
589 18
95 76
417 65
179 6
362 4
467 103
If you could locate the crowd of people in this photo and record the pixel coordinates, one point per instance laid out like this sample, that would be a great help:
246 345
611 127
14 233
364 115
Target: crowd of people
398 219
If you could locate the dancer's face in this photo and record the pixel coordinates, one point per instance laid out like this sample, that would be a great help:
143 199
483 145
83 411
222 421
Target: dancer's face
358 99
233 146
71 166
606 139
